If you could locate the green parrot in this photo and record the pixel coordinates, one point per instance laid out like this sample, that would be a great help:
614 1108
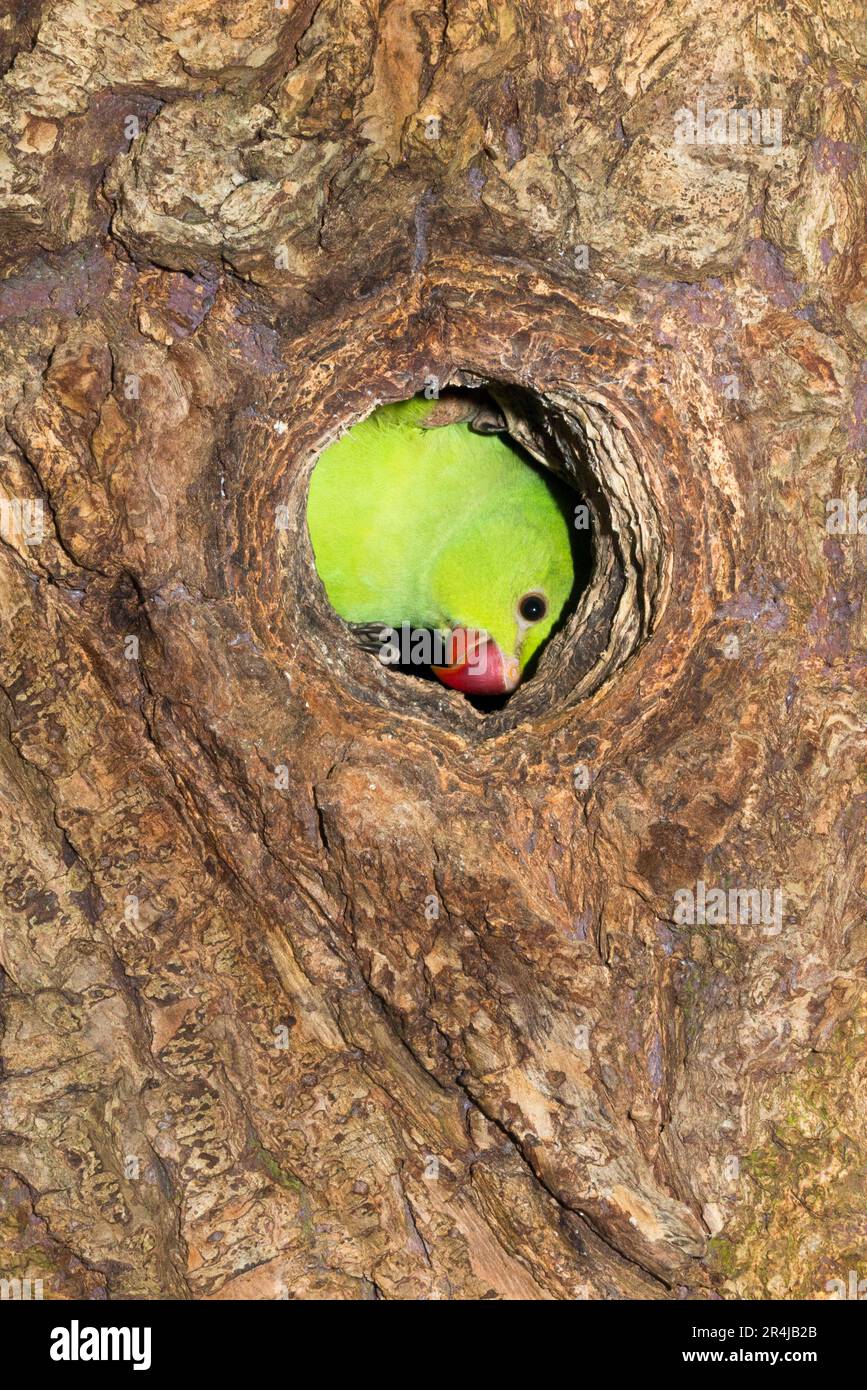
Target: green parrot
416 518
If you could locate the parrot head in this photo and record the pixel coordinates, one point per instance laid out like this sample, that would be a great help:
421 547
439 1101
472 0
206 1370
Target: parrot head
424 514
502 581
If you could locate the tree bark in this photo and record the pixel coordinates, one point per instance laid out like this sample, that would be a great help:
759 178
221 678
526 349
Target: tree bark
316 981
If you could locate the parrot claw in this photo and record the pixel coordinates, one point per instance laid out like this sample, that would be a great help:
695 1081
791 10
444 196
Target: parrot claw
482 417
487 421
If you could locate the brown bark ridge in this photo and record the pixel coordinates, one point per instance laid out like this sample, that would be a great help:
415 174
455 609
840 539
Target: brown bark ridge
316 981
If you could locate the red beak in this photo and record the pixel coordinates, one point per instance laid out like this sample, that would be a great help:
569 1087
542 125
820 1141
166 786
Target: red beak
476 665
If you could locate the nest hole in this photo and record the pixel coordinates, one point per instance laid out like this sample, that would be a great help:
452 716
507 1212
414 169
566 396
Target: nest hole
618 556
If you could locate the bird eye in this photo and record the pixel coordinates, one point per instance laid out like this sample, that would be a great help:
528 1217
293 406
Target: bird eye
532 608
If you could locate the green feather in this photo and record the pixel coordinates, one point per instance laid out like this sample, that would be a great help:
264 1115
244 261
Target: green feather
437 527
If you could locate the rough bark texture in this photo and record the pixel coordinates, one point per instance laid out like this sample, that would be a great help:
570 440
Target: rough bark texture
316 982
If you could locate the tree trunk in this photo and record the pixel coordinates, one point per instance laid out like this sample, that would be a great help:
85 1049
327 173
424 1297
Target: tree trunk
317 981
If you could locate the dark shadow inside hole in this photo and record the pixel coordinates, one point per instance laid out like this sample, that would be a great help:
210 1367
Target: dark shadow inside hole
569 499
